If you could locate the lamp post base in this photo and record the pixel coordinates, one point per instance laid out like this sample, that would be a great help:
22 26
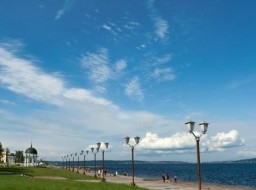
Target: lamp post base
103 180
133 184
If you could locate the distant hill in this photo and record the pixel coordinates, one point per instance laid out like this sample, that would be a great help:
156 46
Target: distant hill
252 160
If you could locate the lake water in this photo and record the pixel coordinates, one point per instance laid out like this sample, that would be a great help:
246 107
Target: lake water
238 174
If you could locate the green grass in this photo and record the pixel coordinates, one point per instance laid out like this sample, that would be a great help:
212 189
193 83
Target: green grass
11 178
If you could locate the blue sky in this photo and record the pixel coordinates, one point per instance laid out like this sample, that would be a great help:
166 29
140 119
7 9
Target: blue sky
76 72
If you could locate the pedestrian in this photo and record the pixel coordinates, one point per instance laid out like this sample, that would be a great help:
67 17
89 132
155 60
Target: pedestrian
175 179
167 178
163 177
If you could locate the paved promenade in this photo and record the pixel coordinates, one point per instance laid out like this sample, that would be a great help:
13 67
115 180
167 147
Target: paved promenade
160 185
155 184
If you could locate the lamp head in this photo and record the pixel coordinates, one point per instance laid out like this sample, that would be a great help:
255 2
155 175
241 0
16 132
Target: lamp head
98 145
106 145
137 140
92 149
87 151
204 127
127 139
190 126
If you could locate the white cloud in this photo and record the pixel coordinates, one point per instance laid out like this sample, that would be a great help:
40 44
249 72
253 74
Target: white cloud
178 141
84 95
63 10
184 142
98 65
224 140
161 27
22 77
120 66
106 27
133 89
163 60
163 74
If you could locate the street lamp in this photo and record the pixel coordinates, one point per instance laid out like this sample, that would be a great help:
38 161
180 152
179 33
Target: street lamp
204 127
66 162
132 142
77 171
103 146
63 162
82 153
94 151
70 162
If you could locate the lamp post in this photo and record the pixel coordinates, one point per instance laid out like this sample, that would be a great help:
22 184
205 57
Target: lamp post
132 144
77 171
204 126
73 156
69 168
103 147
84 153
63 163
66 165
94 151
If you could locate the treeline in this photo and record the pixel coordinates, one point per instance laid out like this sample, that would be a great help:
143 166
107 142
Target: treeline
18 155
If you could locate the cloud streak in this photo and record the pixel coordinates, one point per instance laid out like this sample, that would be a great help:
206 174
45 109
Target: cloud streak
133 89
67 5
22 77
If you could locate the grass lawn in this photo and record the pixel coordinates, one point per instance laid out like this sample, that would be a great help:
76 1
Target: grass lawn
12 178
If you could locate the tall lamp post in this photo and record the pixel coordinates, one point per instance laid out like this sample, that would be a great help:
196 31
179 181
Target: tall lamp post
84 153
63 161
204 127
69 168
94 151
103 147
66 162
77 171
73 163
132 144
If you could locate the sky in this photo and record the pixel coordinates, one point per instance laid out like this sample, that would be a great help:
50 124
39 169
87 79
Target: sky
77 72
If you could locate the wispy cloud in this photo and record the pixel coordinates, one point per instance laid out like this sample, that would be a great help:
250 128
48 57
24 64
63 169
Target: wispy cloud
159 68
98 65
242 82
120 66
161 25
112 28
133 89
100 69
21 76
163 74
67 5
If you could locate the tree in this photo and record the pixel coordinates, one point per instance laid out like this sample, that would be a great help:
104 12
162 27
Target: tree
19 158
1 152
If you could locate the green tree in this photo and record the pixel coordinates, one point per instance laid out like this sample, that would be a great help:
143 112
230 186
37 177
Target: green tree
1 152
19 157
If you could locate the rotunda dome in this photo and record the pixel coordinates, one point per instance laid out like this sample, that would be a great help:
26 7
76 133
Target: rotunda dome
31 150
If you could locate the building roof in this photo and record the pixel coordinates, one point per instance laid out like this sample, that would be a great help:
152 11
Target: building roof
31 150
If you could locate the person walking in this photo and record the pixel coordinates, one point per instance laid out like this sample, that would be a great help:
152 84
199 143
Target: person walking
163 177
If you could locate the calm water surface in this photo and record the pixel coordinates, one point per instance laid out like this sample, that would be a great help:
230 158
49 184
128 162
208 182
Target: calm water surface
238 174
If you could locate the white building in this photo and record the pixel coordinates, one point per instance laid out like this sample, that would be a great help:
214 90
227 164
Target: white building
30 156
